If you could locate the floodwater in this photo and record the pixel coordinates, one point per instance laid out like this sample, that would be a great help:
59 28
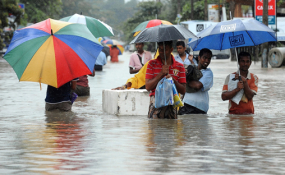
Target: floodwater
88 141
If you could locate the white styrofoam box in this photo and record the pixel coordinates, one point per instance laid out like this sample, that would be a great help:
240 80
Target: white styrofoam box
125 102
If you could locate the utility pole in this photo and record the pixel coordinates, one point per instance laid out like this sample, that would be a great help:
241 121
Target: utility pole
220 10
265 50
178 7
232 12
192 9
206 10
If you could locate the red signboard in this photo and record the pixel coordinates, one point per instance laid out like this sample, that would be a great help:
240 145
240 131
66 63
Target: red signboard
259 7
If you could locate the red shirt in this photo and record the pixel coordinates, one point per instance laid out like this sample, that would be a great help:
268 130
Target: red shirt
83 81
176 70
114 52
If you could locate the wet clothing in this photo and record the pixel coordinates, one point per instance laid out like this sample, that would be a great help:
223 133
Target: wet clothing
114 52
200 99
137 60
58 95
188 109
82 87
98 67
101 59
167 112
59 98
82 91
64 106
176 70
245 106
82 81
185 62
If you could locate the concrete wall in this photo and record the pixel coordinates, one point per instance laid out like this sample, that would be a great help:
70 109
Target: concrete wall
125 102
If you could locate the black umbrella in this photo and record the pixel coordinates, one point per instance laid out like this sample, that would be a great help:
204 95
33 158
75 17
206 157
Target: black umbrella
106 50
163 33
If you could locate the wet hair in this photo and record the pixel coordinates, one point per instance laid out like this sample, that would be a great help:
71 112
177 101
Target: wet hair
244 54
180 43
205 50
166 43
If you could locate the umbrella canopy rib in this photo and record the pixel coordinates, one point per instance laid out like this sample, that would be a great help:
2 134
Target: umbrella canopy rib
222 42
251 38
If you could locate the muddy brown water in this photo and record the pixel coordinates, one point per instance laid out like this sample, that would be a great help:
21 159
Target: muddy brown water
88 141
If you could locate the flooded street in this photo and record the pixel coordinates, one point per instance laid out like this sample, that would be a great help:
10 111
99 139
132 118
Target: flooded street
88 141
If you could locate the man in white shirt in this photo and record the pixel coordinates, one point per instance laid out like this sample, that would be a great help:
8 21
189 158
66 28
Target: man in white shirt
139 58
182 56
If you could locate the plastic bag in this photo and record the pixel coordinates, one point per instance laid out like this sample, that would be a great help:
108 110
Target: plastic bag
177 100
231 86
164 93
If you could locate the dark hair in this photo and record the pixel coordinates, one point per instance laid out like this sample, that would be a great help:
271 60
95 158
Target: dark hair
180 43
205 50
166 43
244 54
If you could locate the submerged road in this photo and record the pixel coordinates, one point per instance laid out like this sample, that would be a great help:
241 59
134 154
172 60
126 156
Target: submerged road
88 141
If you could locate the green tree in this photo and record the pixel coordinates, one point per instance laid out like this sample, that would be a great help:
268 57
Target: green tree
40 10
71 7
198 9
112 12
9 8
146 11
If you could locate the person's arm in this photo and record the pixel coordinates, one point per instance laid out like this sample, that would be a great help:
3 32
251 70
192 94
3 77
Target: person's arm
190 57
134 71
93 73
73 85
247 91
181 87
197 85
204 83
125 86
227 95
151 84
132 65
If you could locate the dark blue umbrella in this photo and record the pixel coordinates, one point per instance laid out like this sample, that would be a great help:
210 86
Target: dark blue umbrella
233 33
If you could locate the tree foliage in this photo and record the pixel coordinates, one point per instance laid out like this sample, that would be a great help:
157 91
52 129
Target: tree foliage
146 11
9 8
112 12
40 10
198 13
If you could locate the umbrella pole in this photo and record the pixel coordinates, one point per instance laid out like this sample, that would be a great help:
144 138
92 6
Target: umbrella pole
164 53
239 77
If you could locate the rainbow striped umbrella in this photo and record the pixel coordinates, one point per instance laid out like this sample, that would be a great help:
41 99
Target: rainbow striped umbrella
96 27
149 24
110 42
53 52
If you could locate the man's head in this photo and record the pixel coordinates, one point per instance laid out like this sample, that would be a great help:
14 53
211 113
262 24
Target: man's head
244 61
204 58
139 47
168 48
180 46
114 46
